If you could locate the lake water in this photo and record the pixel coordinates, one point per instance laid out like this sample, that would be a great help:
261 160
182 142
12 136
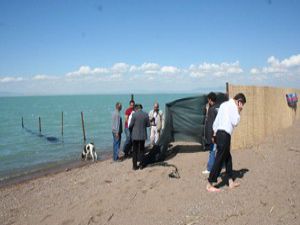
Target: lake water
24 150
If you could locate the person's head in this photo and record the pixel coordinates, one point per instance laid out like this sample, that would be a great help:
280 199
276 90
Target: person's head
119 106
138 107
212 98
240 100
156 107
131 104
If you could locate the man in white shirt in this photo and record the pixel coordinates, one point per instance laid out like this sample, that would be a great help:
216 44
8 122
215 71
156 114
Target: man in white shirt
156 122
228 117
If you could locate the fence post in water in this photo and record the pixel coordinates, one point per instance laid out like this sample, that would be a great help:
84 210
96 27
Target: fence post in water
62 123
83 130
40 126
22 122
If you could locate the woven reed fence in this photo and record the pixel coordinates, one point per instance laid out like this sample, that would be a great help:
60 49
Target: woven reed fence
265 113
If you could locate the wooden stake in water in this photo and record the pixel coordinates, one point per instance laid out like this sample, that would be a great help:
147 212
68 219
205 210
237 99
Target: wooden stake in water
62 123
83 130
132 97
22 122
40 126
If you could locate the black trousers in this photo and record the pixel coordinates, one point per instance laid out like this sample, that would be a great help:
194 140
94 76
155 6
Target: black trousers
223 140
138 152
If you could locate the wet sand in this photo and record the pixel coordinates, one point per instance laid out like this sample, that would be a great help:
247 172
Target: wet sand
112 193
47 169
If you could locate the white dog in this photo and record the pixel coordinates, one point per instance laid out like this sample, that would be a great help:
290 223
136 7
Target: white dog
89 151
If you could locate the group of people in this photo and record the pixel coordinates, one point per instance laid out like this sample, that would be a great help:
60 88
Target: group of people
136 123
219 124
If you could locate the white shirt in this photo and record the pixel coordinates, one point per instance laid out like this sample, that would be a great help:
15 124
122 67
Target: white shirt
227 118
155 114
130 116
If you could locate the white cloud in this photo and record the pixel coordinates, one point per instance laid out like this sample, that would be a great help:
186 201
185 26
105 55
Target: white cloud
215 69
292 61
44 77
116 76
133 69
149 67
124 77
145 68
154 71
120 68
170 70
11 79
278 68
100 71
254 71
86 71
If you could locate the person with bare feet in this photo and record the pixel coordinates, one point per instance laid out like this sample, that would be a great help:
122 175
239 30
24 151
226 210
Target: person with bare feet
227 118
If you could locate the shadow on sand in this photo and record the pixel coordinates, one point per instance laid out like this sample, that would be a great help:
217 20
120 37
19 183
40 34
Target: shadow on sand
150 159
174 150
235 174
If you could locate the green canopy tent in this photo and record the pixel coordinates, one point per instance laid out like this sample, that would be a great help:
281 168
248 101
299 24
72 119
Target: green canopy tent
184 121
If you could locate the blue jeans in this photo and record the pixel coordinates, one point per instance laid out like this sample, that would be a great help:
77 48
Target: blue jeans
116 146
127 144
212 156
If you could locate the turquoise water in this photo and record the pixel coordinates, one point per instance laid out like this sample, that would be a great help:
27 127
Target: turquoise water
23 149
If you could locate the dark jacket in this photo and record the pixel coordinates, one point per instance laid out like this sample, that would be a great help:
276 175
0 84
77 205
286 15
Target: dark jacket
138 125
211 116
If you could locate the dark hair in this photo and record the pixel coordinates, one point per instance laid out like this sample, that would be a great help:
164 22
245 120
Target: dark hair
131 101
138 106
240 97
118 104
212 96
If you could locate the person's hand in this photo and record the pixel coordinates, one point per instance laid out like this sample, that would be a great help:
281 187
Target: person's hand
117 136
213 139
240 106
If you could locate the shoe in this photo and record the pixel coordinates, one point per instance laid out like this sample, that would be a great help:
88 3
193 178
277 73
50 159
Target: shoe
141 167
205 172
135 167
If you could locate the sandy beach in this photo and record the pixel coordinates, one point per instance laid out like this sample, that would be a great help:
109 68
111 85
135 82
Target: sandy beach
112 193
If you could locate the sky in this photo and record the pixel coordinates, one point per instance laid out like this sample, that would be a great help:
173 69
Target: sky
55 47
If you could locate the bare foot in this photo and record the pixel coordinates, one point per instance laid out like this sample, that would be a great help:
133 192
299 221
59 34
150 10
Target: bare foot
211 188
233 184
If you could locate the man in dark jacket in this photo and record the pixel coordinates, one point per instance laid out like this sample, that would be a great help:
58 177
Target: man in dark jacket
211 113
138 126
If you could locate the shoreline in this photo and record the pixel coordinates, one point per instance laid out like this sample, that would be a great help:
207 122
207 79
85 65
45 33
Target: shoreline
46 169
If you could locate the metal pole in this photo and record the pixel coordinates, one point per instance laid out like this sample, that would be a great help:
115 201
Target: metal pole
83 130
40 126
22 122
62 123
